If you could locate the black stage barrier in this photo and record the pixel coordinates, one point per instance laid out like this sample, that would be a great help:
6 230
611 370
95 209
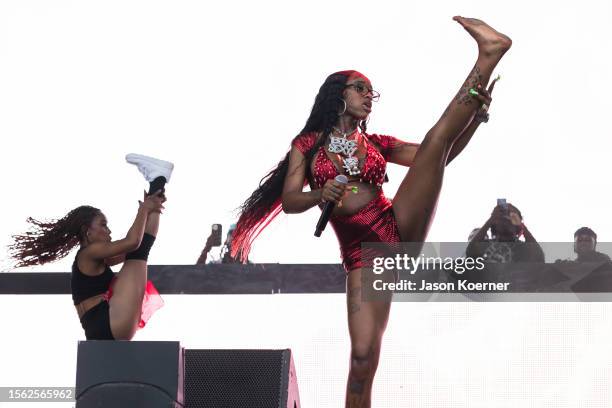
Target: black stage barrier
201 279
559 277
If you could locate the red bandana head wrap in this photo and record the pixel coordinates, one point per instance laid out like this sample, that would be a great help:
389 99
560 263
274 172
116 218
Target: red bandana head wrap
352 74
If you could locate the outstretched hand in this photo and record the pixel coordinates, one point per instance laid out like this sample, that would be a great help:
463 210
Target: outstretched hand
484 95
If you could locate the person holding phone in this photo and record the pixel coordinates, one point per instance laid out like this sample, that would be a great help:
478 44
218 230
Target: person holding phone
506 226
334 141
214 240
110 306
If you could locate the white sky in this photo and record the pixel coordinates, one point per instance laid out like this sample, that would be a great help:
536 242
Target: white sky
220 88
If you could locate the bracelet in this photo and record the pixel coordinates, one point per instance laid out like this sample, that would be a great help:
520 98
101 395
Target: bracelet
481 117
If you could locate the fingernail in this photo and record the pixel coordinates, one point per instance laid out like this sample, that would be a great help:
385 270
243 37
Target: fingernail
473 92
479 85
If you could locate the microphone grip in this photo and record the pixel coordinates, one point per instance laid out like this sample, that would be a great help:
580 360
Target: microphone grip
328 208
325 214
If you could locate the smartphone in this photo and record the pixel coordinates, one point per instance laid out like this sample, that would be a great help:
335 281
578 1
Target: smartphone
216 234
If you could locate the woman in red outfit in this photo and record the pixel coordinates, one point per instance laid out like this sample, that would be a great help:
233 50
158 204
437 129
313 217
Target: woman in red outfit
334 141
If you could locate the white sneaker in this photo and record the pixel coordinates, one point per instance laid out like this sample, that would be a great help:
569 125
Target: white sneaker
150 167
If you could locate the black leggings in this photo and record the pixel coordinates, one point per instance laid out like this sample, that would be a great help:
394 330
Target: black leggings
96 322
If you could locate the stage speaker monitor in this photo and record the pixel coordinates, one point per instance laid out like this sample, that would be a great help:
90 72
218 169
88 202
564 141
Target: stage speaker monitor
240 379
132 374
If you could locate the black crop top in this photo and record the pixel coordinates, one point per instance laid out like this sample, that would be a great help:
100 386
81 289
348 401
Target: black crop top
84 286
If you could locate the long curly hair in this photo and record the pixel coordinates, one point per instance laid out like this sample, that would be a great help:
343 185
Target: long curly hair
49 241
264 204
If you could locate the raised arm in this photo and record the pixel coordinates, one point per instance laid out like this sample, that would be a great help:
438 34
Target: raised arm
104 250
478 244
485 98
207 247
462 140
403 153
536 253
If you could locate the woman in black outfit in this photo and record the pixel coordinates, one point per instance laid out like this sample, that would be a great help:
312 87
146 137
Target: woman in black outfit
110 306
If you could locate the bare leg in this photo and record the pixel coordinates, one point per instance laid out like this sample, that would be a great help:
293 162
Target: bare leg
152 224
416 199
128 291
367 322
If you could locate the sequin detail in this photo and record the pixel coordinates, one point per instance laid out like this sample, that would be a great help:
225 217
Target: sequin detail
373 223
374 166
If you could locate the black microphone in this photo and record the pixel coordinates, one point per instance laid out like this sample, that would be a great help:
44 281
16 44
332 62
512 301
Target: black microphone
329 207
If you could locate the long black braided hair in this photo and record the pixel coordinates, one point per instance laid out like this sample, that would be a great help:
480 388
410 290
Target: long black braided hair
264 204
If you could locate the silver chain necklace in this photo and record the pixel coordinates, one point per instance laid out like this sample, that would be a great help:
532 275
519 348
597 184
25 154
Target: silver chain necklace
345 147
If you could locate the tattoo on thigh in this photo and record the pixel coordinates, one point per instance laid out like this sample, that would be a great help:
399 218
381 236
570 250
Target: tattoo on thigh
353 293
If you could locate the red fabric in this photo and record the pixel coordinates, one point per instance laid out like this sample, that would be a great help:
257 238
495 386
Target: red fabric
305 142
373 223
351 73
249 228
151 302
374 167
386 144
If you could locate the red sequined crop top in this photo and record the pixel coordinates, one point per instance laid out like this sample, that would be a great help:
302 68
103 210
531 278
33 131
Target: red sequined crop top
374 166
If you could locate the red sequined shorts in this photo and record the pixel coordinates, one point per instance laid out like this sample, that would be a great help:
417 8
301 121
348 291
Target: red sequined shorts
373 223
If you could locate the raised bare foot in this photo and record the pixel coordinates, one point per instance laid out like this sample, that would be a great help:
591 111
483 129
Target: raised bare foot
490 42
